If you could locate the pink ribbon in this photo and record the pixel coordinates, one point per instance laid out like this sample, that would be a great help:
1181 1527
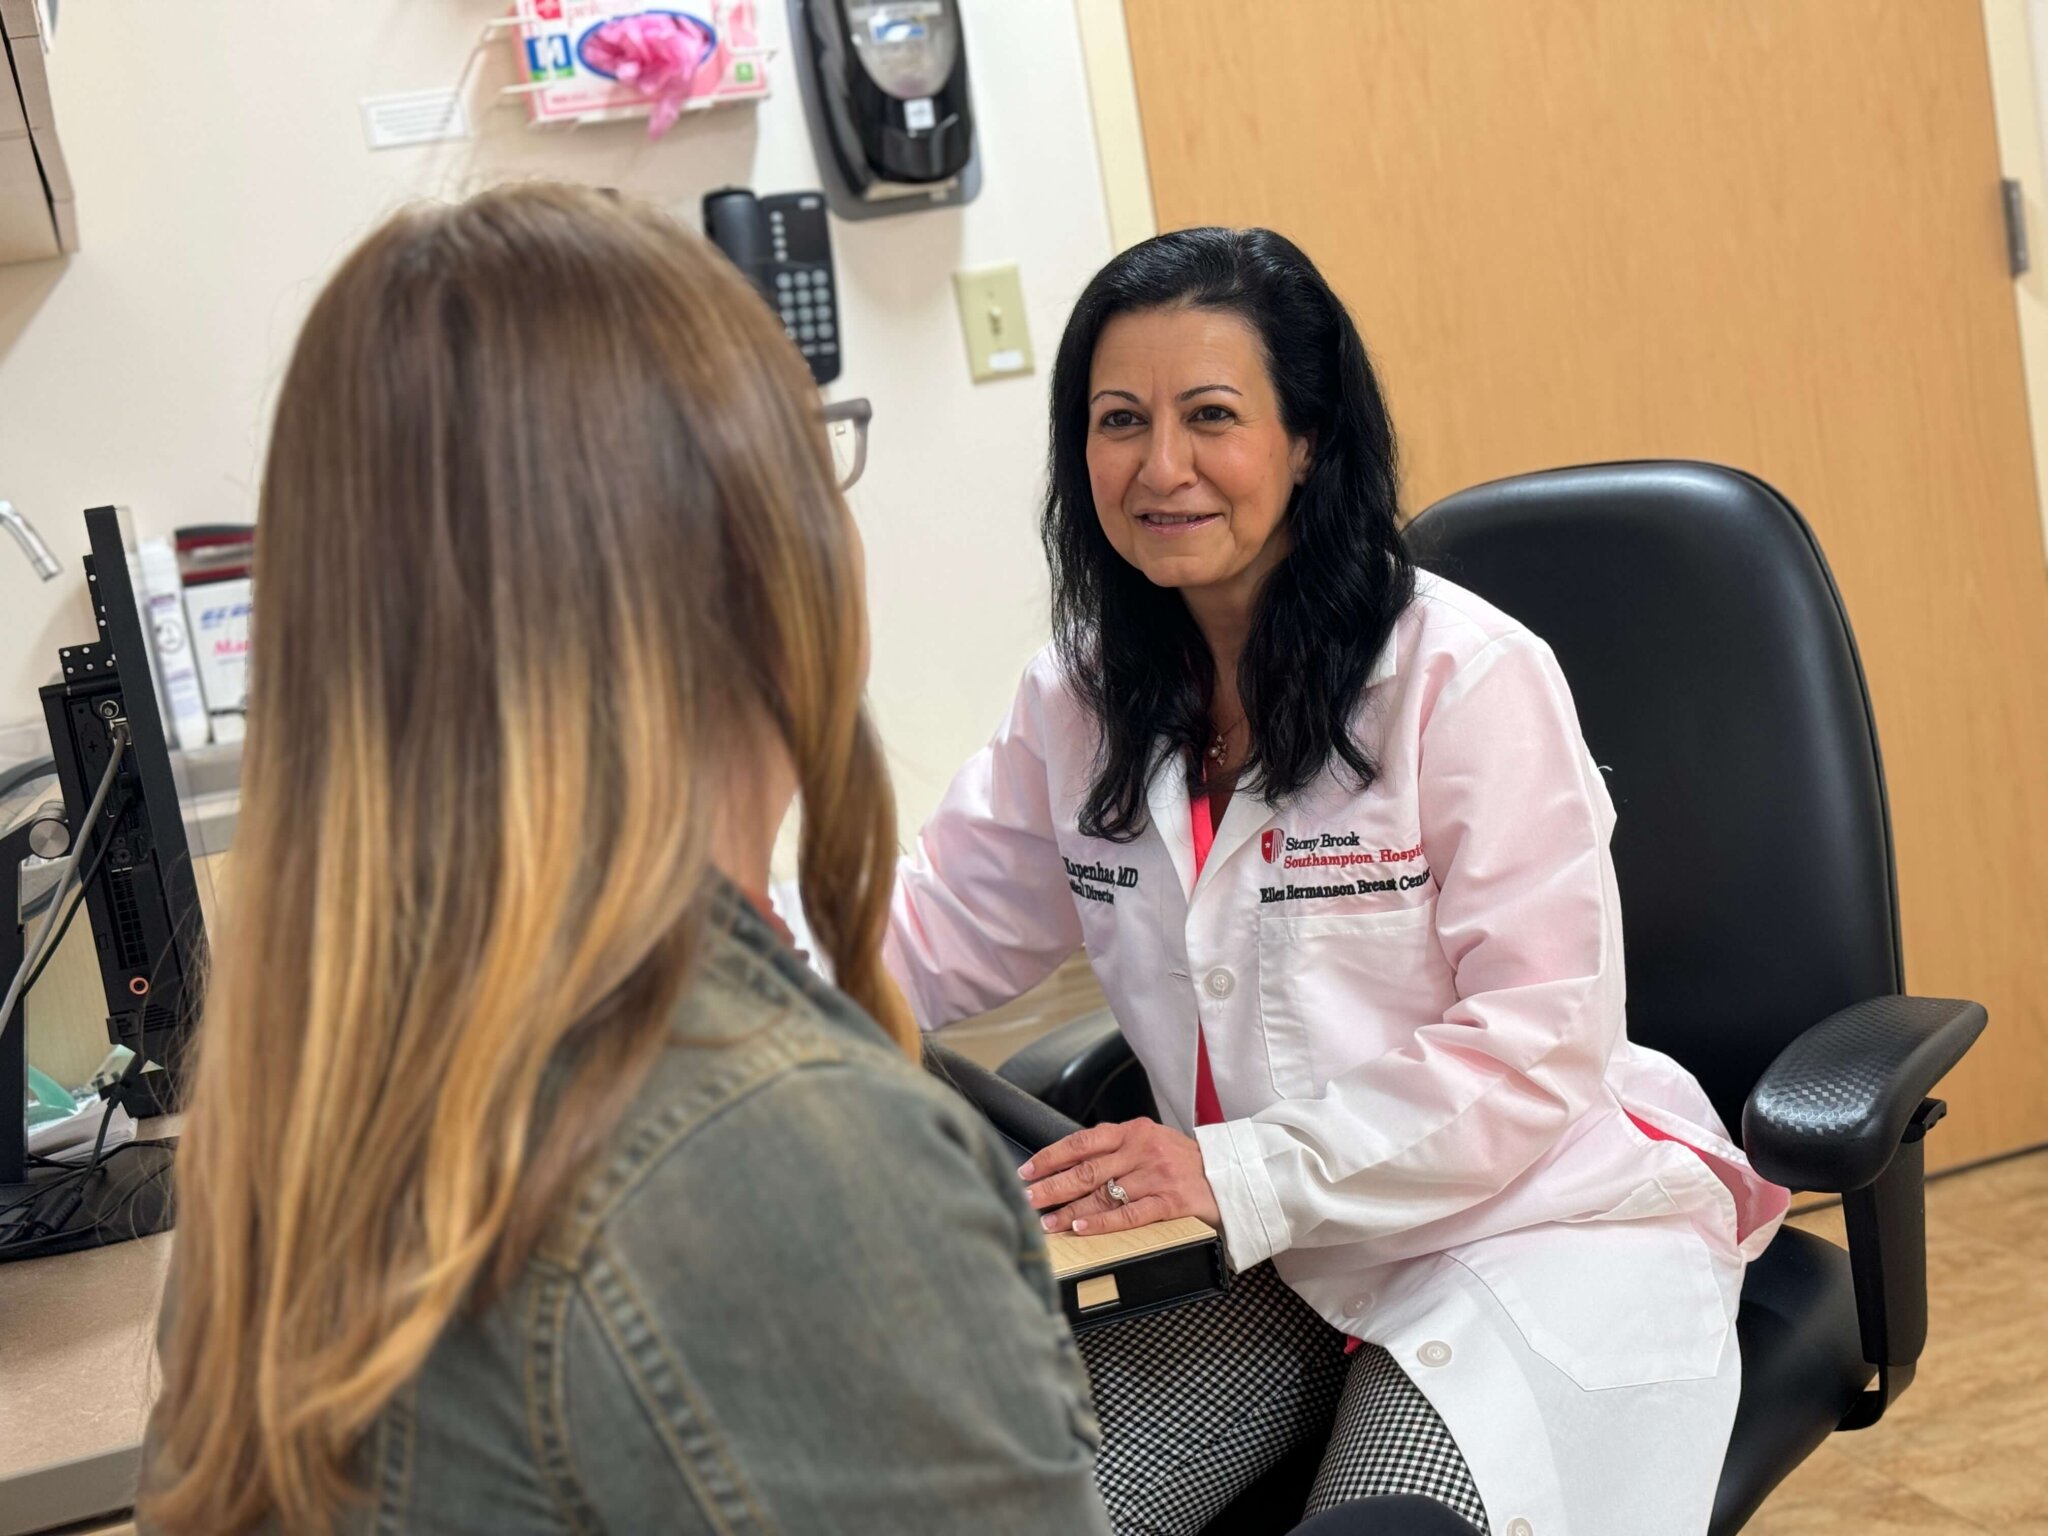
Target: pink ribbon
659 54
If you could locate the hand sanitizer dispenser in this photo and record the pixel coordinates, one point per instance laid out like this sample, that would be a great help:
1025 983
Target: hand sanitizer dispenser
886 85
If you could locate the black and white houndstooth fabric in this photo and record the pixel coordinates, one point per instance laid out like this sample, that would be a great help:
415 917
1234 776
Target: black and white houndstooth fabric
1388 1439
1197 1402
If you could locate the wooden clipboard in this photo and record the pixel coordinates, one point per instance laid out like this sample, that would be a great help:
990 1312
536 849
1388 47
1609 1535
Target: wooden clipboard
1116 1275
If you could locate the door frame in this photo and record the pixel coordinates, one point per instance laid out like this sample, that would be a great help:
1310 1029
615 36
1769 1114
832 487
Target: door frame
2015 35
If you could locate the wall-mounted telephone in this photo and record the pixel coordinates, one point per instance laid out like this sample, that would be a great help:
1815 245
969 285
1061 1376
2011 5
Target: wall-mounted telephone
783 246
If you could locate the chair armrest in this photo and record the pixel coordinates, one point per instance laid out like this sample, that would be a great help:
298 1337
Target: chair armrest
1830 1112
1085 1070
1021 1119
1845 1109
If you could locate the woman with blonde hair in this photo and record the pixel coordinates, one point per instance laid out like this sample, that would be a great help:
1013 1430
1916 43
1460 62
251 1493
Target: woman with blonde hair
531 1182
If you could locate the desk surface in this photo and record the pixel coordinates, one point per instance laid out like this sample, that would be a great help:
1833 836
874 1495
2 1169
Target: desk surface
77 1376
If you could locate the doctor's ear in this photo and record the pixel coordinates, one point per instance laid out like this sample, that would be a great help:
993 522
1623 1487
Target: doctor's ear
1301 454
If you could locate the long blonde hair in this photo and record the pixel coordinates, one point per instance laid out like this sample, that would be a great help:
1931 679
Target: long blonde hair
548 526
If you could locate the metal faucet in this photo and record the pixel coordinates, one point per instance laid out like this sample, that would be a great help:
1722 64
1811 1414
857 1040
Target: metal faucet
38 552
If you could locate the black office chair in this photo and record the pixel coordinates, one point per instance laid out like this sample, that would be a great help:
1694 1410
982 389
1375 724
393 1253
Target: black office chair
1719 688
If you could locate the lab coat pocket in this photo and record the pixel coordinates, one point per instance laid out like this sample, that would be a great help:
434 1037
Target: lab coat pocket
1340 989
1609 1303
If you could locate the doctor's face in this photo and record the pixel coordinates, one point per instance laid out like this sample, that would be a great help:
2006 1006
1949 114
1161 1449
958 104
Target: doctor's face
1190 463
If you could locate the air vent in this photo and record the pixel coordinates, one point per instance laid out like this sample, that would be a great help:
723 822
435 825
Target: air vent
129 952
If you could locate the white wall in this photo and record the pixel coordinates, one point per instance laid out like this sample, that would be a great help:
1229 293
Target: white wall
222 172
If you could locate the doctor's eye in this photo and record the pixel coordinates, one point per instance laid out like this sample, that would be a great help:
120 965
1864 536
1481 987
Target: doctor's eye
1213 416
1117 420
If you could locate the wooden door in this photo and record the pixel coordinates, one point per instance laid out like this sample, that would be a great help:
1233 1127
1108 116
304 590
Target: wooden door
1765 232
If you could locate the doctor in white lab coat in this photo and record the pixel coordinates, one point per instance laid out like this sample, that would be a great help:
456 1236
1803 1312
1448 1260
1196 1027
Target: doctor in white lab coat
1334 846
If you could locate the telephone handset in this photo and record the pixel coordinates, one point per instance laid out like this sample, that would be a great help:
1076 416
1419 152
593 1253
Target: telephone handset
783 246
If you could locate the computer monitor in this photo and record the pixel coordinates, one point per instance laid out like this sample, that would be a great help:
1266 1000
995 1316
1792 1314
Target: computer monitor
143 902
141 898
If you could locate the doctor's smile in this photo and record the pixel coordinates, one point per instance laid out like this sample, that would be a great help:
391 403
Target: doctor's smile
1172 523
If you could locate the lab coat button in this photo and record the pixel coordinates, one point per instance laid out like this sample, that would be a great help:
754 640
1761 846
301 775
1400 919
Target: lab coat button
1361 1303
1435 1352
1521 1528
1220 983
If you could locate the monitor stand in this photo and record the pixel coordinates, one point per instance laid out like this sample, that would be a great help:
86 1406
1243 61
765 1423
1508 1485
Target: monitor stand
131 1195
13 1031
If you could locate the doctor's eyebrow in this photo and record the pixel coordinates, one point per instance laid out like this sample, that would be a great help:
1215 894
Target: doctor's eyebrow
1181 398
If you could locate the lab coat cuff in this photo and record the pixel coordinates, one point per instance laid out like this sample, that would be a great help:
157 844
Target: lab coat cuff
1254 1226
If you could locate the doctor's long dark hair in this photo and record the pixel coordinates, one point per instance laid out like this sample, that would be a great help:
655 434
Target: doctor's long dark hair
1131 650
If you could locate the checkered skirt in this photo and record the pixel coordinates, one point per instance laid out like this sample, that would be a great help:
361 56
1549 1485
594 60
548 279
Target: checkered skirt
1198 1402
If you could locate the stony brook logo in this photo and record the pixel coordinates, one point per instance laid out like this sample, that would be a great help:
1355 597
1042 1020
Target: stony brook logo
1272 845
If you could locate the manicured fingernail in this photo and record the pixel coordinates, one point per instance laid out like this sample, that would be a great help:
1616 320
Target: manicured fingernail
1080 1226
1048 1222
1024 1172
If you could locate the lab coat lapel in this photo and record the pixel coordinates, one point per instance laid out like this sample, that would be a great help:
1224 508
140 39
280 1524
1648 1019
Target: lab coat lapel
1248 815
1245 817
1166 797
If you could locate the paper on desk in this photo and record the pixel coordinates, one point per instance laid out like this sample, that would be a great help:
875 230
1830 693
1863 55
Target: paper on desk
70 1140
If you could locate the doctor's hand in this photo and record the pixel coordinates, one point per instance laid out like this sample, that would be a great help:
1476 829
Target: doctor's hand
1159 1168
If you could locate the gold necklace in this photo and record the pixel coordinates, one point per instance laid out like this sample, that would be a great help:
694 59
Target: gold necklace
1219 749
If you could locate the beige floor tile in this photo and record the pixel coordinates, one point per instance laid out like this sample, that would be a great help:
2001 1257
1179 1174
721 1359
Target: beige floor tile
1987 1468
2004 1202
1832 1495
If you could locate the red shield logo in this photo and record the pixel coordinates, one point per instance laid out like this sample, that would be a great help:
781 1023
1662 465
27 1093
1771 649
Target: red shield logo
1272 844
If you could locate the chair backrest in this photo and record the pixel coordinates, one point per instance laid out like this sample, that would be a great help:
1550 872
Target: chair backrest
1719 689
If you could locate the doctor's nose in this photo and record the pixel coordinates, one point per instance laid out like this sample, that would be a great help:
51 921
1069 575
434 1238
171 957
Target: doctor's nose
1169 461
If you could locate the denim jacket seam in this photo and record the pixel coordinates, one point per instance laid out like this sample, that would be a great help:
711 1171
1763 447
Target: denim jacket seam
747 950
693 1466
805 1023
397 1432
546 1409
652 1139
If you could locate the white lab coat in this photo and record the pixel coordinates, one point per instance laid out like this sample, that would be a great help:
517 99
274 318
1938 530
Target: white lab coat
1413 1004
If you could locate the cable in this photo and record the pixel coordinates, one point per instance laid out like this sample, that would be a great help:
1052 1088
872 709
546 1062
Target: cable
75 1190
71 1187
130 1172
33 957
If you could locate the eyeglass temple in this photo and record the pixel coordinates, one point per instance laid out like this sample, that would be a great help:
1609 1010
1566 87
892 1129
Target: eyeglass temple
858 413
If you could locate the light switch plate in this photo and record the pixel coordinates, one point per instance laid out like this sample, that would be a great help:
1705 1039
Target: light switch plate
992 319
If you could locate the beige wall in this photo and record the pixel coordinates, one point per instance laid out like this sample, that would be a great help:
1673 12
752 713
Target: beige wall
221 172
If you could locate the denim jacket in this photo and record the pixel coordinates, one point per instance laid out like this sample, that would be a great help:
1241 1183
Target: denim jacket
799 1292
